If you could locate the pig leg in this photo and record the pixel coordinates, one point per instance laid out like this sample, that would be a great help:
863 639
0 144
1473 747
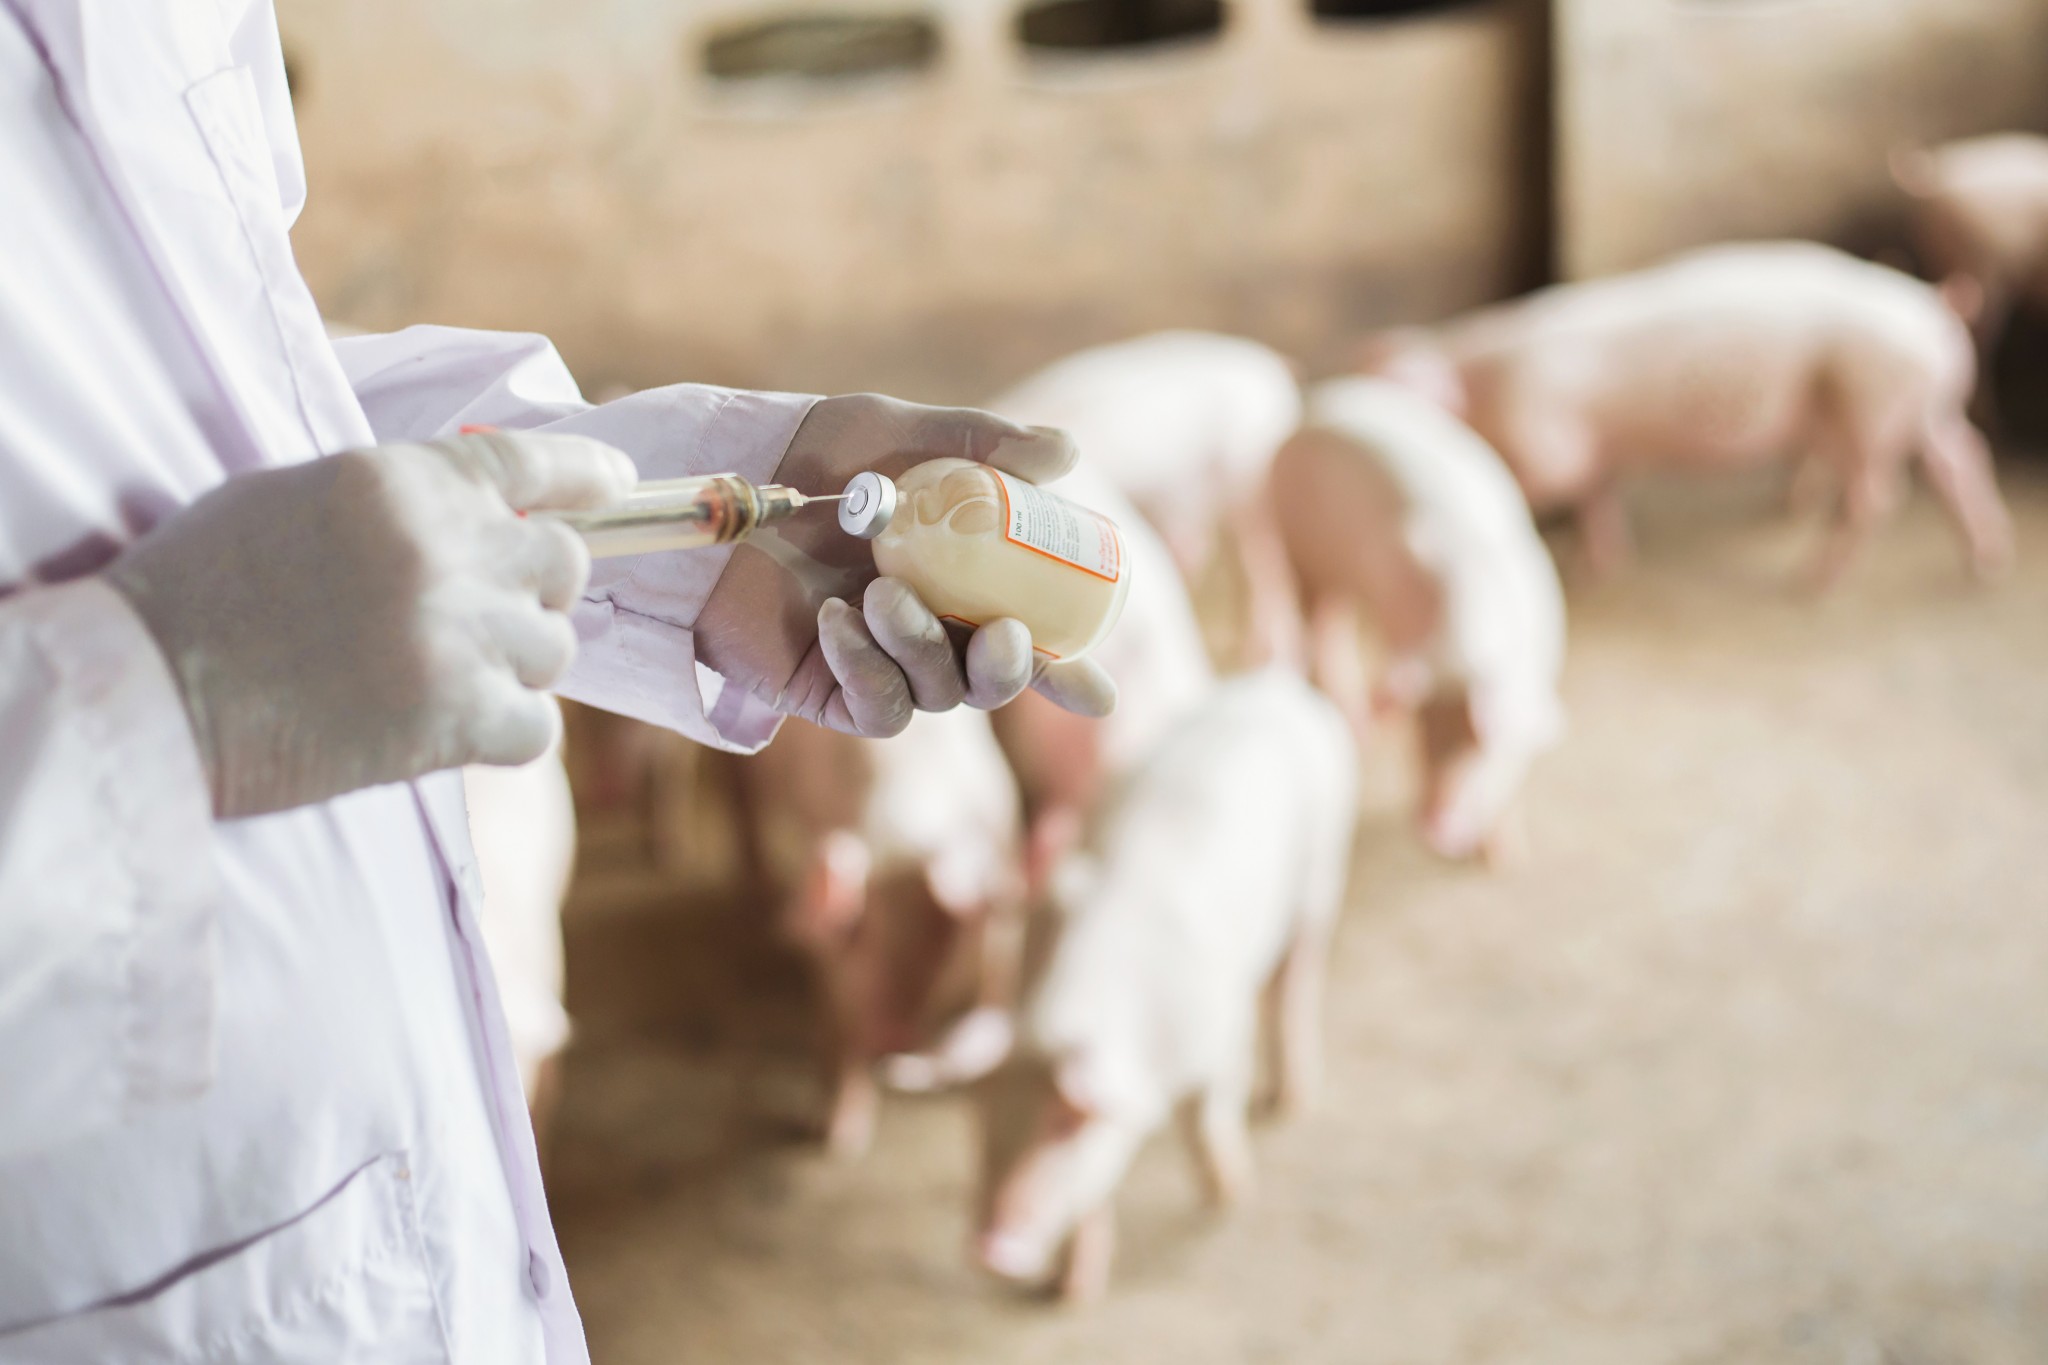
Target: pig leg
1090 1249
1337 660
1958 464
1861 451
850 1124
822 920
1604 531
1855 515
1294 1016
1214 1121
1273 606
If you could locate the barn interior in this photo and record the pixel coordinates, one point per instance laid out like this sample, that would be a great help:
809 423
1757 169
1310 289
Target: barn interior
1746 1061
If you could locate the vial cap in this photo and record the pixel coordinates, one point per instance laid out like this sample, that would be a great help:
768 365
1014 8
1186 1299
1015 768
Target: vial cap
868 506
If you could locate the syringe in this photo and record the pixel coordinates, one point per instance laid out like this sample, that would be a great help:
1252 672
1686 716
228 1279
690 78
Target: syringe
686 514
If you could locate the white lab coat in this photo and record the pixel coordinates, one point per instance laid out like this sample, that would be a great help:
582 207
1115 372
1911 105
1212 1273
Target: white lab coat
256 1099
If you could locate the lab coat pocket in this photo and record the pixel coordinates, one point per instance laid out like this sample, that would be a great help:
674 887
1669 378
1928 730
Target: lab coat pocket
344 1283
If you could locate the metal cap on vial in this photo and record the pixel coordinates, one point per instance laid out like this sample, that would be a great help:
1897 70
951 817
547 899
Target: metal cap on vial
867 505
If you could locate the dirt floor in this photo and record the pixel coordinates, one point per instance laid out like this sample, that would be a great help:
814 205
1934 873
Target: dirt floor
1749 1063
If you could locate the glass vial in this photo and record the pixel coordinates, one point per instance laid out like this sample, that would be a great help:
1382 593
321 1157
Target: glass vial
978 544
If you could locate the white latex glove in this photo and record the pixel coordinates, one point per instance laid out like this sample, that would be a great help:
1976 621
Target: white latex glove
780 623
375 615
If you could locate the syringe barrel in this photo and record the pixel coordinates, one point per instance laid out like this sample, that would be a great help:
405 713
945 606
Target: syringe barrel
670 514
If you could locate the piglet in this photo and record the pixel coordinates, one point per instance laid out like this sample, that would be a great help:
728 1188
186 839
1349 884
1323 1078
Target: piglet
1724 357
1063 762
1185 425
1980 217
901 856
1210 882
1392 508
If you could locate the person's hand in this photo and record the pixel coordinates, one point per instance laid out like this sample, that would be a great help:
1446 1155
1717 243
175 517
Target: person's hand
800 619
375 615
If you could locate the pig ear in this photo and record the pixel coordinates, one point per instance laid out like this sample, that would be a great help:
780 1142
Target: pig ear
835 888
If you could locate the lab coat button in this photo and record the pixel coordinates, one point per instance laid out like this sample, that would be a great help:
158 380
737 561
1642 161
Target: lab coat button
538 1277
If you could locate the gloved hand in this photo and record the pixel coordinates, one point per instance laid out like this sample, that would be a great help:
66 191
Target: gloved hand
372 616
779 620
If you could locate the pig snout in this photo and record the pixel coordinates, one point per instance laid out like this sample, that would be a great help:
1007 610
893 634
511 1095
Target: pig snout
1465 797
1027 1173
1018 1240
1451 819
1013 1256
1450 832
973 1047
1469 802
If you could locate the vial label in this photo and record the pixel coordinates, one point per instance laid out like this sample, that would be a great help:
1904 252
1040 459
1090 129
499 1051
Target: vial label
1058 529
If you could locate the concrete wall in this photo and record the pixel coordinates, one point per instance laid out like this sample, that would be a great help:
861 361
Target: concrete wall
1688 121
567 168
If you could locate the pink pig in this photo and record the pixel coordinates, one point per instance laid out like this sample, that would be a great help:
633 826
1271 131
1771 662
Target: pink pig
1210 882
902 854
1728 356
1391 508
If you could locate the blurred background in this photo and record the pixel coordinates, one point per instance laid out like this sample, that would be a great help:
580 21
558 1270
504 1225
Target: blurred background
1747 1061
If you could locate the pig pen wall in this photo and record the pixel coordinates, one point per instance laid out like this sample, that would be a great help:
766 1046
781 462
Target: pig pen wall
1681 122
935 227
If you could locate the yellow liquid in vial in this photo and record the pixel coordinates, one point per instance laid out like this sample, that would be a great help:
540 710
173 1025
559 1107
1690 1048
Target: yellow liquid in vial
977 545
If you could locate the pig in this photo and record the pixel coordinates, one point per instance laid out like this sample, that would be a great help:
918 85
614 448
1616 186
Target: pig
1389 504
1204 896
1979 217
901 858
1723 357
1156 654
523 825
1185 424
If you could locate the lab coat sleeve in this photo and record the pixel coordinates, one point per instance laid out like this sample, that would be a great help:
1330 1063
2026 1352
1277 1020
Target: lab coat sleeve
638 654
107 882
